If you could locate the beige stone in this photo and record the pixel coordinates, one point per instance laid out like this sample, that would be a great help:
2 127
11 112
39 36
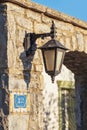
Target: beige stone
85 45
33 15
24 23
80 41
15 9
63 26
15 122
68 42
74 42
38 68
41 28
46 20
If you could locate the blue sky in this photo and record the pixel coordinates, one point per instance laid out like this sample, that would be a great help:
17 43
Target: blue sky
75 8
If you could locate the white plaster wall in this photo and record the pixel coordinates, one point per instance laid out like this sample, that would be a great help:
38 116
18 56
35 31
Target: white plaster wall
50 94
65 74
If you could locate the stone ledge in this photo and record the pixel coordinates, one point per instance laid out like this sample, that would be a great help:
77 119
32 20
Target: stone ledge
27 4
48 12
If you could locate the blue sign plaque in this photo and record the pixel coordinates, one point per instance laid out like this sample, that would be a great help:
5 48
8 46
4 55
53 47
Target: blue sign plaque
19 101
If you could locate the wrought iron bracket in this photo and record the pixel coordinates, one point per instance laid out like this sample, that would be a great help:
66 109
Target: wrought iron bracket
30 45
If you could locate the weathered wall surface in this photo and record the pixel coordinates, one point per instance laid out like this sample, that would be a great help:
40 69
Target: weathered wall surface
20 20
16 18
50 92
3 69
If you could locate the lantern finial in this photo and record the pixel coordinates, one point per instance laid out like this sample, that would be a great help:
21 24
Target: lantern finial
52 78
53 30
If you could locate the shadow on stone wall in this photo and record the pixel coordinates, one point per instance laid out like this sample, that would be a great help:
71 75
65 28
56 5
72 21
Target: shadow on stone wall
4 78
76 62
27 66
4 100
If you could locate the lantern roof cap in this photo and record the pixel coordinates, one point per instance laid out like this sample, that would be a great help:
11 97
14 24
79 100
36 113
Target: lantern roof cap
53 44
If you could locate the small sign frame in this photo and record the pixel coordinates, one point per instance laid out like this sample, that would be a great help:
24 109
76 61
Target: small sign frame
19 101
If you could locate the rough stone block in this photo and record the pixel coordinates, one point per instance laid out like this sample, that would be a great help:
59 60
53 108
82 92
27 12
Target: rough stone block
15 9
64 26
46 19
41 28
16 122
38 68
80 41
85 44
15 83
24 23
33 15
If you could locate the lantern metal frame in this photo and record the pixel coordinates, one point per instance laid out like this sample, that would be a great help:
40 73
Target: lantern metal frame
54 72
31 46
53 45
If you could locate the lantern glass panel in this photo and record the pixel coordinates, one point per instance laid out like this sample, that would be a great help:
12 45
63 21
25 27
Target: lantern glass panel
49 56
59 60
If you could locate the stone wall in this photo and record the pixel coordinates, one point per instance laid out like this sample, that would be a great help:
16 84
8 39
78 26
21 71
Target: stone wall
16 18
19 20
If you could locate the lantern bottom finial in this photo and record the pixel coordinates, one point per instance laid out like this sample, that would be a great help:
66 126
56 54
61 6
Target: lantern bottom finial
52 78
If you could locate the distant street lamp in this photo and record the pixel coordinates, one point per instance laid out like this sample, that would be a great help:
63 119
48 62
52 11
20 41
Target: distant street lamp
53 51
